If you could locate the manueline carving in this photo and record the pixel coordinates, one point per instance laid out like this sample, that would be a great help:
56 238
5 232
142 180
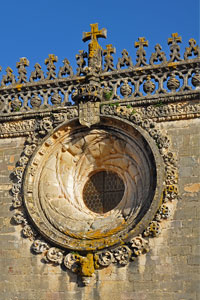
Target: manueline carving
51 73
174 48
21 66
145 80
141 53
66 69
64 110
37 73
125 60
158 55
109 65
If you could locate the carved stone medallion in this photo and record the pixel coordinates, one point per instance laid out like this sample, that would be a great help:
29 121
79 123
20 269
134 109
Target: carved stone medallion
56 190
89 197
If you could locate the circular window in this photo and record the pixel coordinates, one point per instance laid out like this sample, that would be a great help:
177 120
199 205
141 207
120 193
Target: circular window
91 188
103 191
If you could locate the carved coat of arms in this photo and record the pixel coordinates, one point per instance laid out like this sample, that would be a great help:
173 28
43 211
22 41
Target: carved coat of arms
89 113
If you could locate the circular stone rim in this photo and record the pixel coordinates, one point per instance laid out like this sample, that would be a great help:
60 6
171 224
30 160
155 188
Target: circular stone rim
114 241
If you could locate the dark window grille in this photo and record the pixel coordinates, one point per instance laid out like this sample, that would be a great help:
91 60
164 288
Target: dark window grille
103 191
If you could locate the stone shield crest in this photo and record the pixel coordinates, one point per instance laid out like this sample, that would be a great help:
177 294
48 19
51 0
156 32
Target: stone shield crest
89 113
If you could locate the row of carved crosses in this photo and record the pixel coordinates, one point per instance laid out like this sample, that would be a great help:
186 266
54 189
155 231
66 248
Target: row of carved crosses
125 60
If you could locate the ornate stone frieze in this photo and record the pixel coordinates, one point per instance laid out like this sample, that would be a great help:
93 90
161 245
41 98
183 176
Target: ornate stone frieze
17 127
89 114
126 81
158 112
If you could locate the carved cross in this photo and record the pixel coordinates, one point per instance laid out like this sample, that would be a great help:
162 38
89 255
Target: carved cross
108 57
142 43
51 74
174 39
50 61
141 59
95 33
174 48
109 50
94 47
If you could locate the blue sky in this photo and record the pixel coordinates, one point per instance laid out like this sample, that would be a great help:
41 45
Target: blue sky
37 28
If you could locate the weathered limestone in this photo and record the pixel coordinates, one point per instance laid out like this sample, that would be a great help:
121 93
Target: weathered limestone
145 246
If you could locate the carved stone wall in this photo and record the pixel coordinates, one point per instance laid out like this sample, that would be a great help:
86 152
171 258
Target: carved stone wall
99 197
168 271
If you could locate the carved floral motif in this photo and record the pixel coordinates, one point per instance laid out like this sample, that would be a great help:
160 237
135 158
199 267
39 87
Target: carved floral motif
71 262
54 255
154 229
139 245
122 255
125 89
39 246
105 258
149 86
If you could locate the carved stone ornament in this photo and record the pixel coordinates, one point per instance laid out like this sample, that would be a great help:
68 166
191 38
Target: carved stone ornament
96 175
70 210
89 113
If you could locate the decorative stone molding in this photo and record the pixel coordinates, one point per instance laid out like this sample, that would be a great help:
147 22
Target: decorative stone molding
109 134
87 237
162 76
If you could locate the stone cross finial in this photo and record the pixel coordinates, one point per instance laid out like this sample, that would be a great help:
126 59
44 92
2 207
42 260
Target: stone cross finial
95 50
51 59
109 50
193 48
174 48
95 33
51 74
141 53
21 66
108 57
174 39
142 43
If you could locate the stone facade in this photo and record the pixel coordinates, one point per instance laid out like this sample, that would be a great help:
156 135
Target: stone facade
146 246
